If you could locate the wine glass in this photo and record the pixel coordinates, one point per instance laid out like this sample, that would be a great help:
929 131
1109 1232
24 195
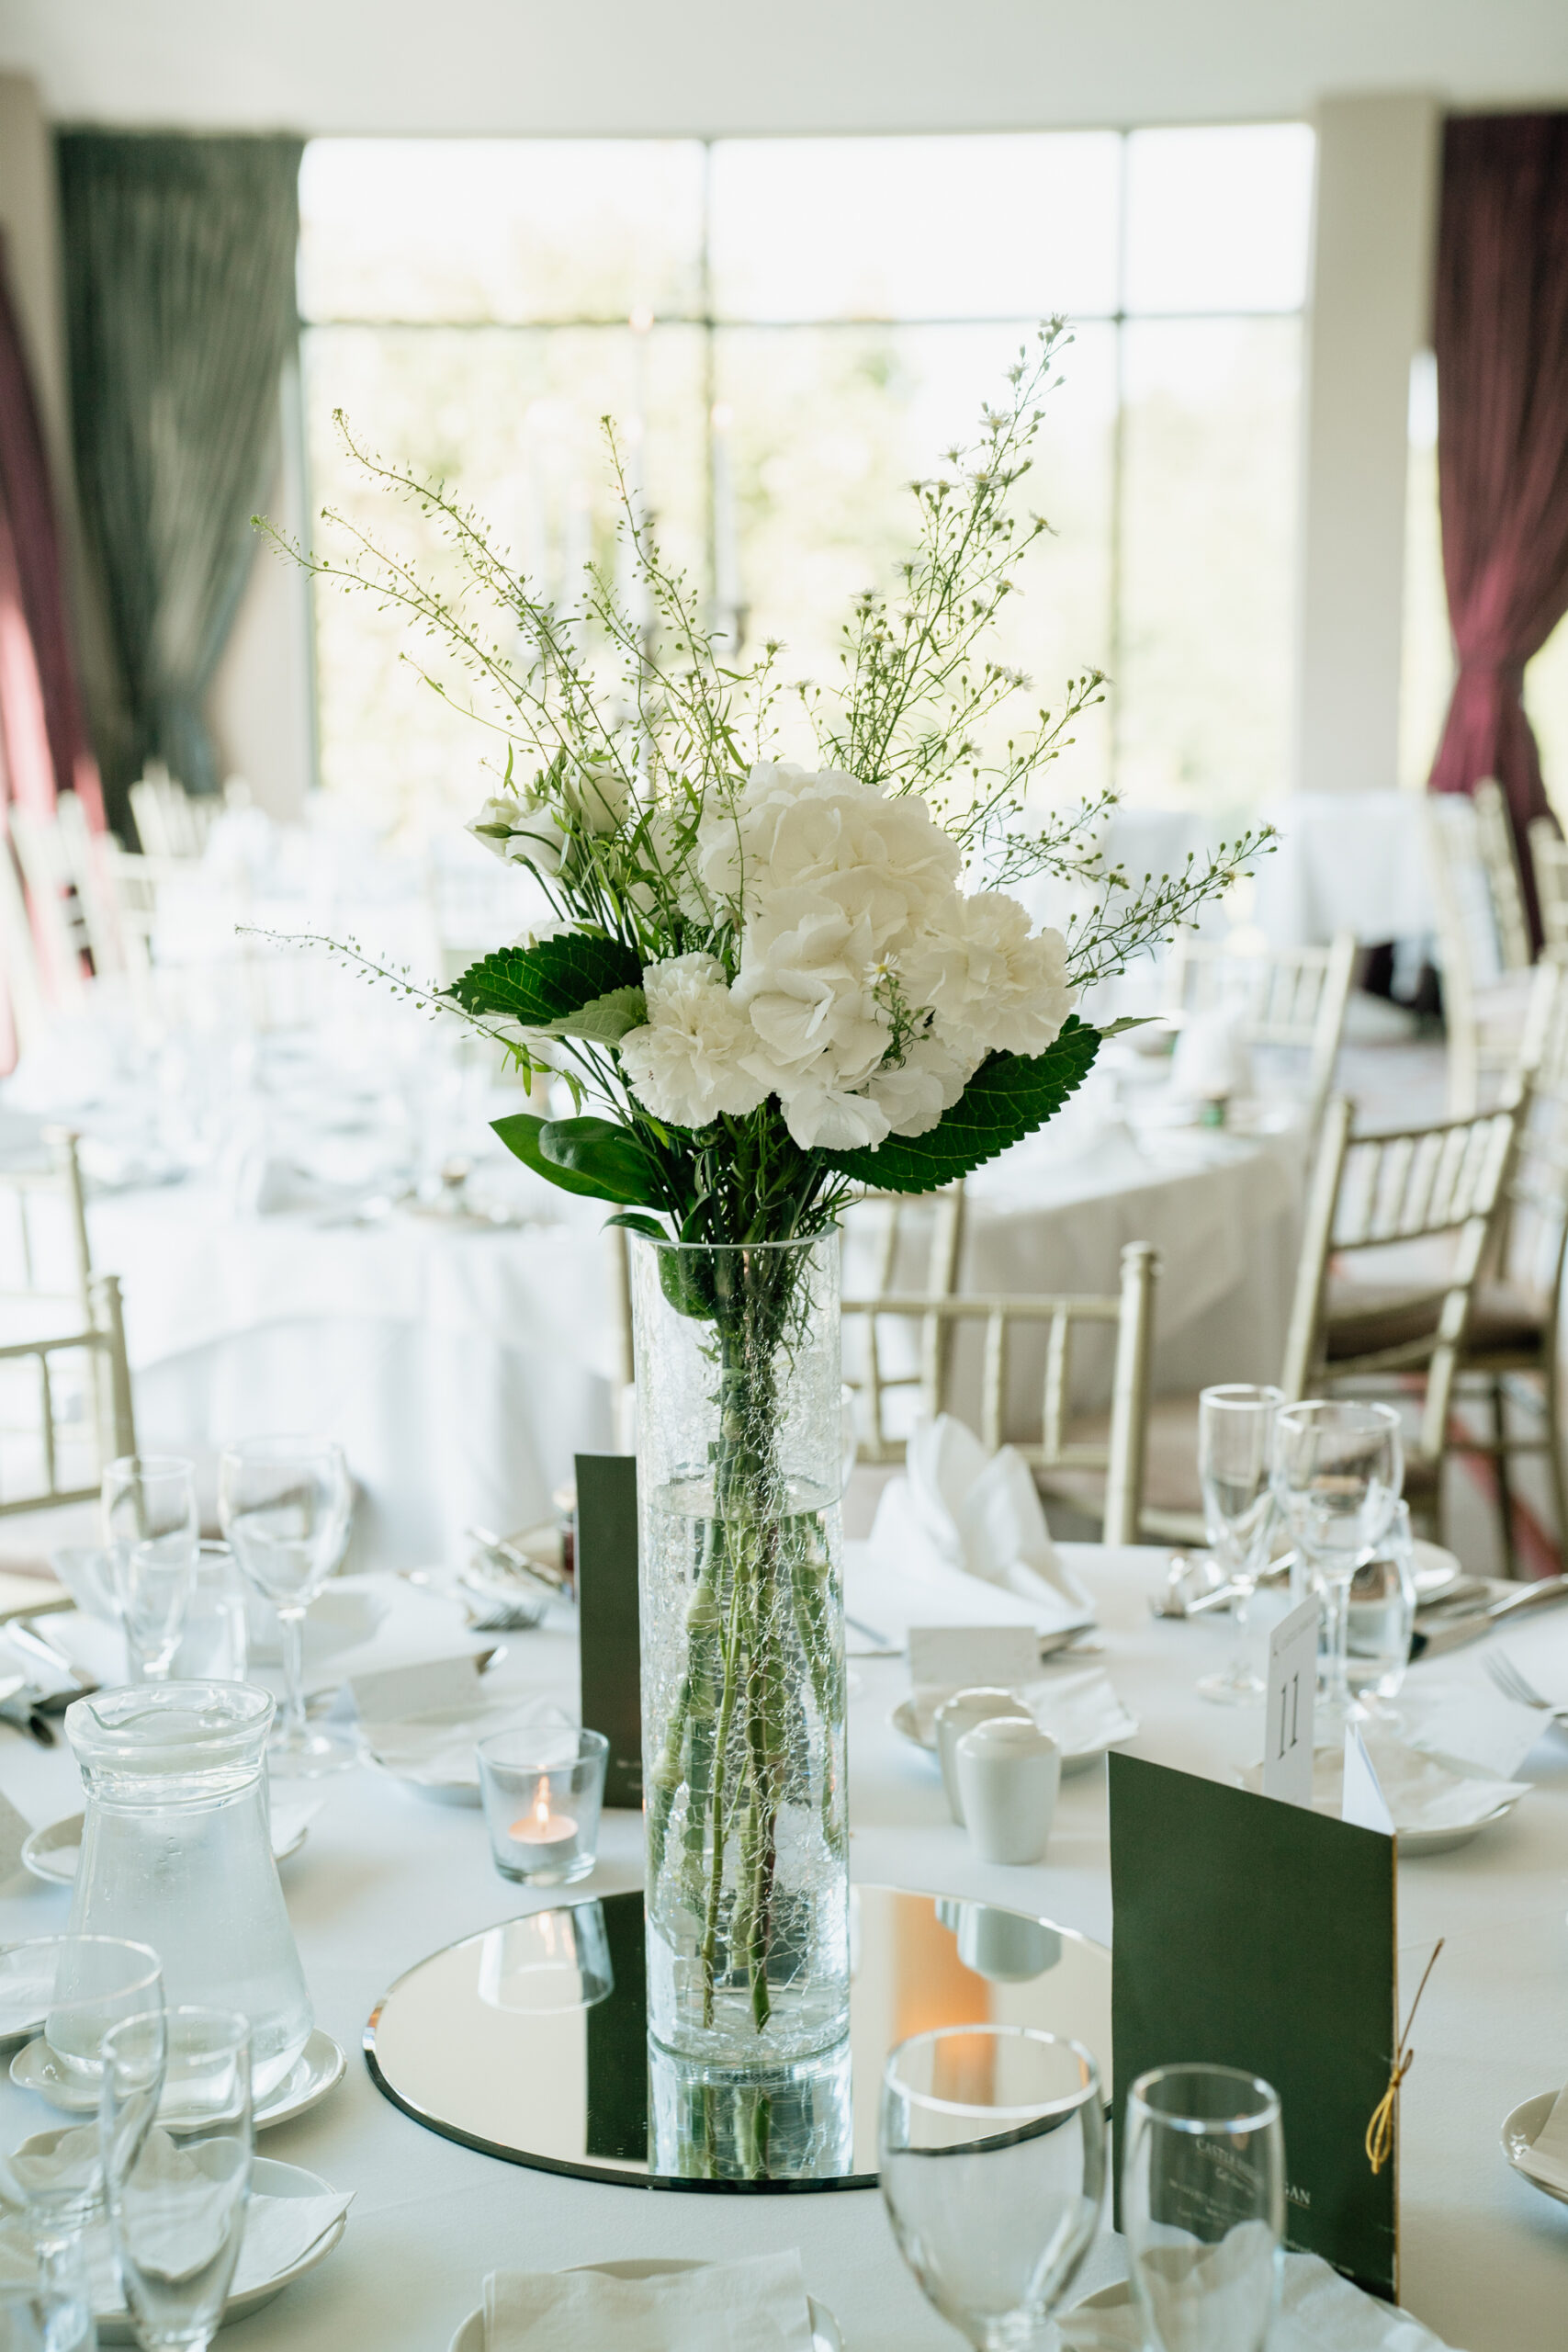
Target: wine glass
992 2149
1236 1455
46 2300
1338 1467
1203 2207
152 1529
79 1988
285 1503
178 2141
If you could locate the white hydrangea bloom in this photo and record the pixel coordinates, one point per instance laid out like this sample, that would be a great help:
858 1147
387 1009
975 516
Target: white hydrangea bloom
928 1081
993 987
885 861
686 1064
807 979
819 1114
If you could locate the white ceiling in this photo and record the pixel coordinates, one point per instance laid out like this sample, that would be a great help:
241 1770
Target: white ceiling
630 66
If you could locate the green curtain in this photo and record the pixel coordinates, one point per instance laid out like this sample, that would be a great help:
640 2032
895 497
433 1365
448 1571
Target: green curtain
180 306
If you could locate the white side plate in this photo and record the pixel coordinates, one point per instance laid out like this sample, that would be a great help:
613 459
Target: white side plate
54 1852
320 2066
1521 2130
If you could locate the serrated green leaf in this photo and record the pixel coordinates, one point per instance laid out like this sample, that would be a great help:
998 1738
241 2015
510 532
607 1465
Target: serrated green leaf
604 1020
520 1132
1006 1099
546 982
605 1158
1130 1021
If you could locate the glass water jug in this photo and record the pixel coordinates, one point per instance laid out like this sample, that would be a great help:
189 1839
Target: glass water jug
177 1853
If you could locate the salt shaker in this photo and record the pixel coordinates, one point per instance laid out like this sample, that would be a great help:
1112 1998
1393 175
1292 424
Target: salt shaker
961 1714
1008 1773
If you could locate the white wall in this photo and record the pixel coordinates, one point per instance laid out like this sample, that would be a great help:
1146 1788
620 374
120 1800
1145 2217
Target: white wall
619 66
260 708
1372 249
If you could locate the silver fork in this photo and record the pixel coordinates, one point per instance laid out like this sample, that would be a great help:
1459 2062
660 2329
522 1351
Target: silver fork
1513 1685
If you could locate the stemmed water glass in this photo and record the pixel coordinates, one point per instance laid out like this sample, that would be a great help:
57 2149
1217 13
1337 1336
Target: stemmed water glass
285 1504
152 1531
992 2151
1236 1452
1203 2207
178 2143
1338 1467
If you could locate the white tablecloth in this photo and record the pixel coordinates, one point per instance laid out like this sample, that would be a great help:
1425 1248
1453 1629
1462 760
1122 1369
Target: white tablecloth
1346 861
386 1877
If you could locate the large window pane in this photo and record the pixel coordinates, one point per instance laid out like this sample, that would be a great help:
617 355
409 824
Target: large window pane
1219 219
1004 226
509 419
828 426
505 229
1208 535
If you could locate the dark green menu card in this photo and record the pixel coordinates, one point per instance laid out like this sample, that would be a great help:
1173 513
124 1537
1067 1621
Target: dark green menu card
1254 1934
607 1616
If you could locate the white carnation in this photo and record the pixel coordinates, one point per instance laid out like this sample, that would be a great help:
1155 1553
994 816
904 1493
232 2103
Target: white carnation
686 1064
993 987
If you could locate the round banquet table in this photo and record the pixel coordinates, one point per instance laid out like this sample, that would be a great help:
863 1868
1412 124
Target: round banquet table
461 1365
386 1877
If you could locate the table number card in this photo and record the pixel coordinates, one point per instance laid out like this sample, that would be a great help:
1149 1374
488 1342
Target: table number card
1254 1934
1287 1717
607 1616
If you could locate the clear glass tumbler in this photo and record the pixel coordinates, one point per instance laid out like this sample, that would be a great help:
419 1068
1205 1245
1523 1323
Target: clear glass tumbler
151 1528
1203 2207
178 2143
992 2147
544 1791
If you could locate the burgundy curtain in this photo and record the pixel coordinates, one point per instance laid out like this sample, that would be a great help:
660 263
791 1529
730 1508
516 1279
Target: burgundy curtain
43 743
1502 343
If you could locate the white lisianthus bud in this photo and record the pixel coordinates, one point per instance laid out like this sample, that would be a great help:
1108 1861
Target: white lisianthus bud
598 797
521 830
686 1064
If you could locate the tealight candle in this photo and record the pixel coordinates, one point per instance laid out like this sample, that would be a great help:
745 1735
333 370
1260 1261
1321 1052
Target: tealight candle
541 1827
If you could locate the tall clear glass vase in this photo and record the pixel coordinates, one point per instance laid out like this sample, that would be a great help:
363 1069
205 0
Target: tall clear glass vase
738 1480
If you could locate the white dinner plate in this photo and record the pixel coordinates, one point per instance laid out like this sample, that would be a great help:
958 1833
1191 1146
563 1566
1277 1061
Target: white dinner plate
1521 2130
1414 1844
271 2179
915 1719
825 2337
1433 1569
54 1852
319 2068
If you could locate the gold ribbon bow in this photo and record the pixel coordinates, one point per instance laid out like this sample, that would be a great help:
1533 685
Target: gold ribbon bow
1380 2131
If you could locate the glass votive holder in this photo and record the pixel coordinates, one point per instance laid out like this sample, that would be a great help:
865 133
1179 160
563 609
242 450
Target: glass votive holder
544 1791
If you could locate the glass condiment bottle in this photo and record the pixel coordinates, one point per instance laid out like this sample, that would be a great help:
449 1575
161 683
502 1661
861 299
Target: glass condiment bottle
176 1852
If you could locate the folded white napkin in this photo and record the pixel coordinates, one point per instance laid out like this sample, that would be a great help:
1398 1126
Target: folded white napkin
1211 1062
1319 2311
755 2306
280 2233
1547 2160
1473 1724
957 1524
1420 1793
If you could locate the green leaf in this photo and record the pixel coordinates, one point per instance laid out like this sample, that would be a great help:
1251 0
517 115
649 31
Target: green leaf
520 1132
1130 1021
605 1020
1008 1098
635 1222
606 1160
544 983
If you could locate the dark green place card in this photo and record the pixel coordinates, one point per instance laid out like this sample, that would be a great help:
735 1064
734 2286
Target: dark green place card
1254 1934
607 1616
